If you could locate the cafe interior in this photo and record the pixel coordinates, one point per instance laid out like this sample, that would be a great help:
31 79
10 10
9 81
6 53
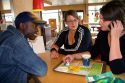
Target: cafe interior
52 14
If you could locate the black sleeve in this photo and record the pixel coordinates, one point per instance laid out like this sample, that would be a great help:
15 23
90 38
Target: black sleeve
117 66
95 47
59 41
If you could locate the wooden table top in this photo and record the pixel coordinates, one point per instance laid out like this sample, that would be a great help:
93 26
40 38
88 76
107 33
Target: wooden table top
57 77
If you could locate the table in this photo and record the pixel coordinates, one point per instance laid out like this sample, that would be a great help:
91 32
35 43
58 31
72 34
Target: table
57 77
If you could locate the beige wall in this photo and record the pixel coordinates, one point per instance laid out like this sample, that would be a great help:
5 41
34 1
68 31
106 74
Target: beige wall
21 5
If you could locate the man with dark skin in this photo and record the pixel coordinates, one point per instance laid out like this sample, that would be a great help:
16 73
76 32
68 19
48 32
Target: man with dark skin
17 58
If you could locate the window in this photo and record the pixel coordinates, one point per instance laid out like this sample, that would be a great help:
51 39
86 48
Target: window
8 16
94 18
94 13
52 14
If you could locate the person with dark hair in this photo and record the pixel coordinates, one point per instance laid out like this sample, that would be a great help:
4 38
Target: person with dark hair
110 42
75 38
17 58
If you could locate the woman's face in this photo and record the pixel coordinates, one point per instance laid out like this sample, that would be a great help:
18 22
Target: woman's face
104 24
72 22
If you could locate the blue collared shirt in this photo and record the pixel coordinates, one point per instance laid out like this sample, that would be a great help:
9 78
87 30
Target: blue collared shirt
17 58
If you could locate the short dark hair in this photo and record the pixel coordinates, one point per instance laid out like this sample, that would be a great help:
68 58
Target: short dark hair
114 10
72 13
26 16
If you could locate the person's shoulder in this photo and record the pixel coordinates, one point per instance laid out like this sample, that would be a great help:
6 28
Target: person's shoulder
10 29
10 36
83 27
7 32
64 30
13 33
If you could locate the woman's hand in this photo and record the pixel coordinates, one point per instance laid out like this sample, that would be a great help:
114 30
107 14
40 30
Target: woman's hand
54 51
69 58
54 54
116 31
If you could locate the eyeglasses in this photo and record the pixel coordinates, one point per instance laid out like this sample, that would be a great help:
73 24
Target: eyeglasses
72 21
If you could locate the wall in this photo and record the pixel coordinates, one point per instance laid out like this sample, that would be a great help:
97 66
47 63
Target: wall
21 5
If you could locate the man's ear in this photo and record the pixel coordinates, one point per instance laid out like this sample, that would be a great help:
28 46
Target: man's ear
22 27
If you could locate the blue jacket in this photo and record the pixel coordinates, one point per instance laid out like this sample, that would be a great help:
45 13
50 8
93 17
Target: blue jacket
17 58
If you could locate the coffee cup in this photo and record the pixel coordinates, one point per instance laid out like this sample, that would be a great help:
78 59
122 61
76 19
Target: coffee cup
86 60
